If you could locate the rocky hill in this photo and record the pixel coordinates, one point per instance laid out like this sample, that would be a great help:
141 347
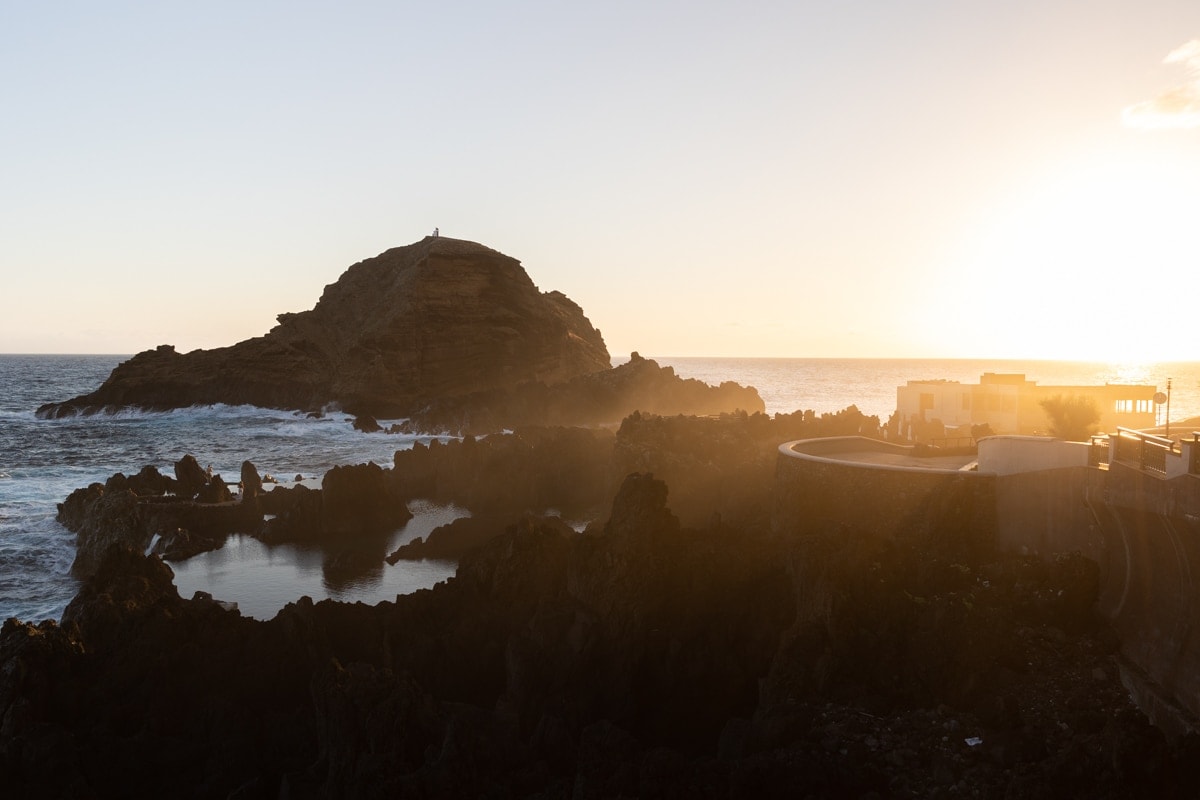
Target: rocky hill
438 318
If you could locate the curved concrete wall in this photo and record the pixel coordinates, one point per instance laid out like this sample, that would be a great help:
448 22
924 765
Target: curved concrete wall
815 489
1142 529
1007 455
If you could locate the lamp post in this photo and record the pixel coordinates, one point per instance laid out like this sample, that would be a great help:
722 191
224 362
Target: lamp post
1167 429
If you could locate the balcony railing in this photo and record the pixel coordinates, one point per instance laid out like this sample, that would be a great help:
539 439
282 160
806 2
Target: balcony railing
1143 450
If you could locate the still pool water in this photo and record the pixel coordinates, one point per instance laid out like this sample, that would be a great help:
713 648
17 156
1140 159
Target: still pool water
263 578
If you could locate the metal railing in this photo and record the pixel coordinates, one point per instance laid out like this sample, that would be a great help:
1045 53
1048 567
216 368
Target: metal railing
1144 450
1098 453
1194 464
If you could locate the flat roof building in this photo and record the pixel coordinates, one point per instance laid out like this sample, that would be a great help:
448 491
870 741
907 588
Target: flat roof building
1009 403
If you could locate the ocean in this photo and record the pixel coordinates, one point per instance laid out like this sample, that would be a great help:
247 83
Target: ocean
42 461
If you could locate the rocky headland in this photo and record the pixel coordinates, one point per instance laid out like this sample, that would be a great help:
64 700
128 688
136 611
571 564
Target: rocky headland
435 319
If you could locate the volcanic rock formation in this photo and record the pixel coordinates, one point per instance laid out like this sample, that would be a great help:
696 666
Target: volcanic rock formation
640 659
435 319
599 398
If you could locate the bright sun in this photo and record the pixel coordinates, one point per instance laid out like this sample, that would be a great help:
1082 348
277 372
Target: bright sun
1097 263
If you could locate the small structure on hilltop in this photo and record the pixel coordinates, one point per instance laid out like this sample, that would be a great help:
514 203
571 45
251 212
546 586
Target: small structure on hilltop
1008 403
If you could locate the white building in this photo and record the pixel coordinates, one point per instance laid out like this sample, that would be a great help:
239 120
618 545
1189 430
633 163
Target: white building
1008 403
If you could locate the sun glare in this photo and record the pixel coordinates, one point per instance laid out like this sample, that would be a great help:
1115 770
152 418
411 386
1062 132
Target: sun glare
1096 263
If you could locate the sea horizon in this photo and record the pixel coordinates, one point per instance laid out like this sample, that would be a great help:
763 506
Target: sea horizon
843 381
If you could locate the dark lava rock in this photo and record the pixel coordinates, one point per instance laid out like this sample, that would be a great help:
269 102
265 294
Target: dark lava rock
360 499
357 504
367 424
721 469
252 484
190 477
360 502
149 482
215 491
434 319
449 542
641 658
297 514
598 398
533 469
102 518
129 512
180 544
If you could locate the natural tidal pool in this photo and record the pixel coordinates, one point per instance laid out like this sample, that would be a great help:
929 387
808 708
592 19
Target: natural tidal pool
263 578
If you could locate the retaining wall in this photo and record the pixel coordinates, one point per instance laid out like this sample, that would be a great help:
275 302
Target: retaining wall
1143 530
816 492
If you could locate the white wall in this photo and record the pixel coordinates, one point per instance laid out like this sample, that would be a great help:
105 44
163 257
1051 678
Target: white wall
1008 455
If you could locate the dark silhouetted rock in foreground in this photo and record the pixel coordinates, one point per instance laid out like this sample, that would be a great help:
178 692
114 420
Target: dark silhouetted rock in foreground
437 318
178 518
532 469
361 499
640 659
450 541
722 469
194 512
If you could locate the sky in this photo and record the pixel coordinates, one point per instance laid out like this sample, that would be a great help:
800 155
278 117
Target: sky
933 178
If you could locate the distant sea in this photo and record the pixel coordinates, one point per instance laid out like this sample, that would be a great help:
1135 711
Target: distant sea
42 461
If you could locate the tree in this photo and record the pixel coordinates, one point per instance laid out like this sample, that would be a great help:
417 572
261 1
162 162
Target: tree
981 430
1072 417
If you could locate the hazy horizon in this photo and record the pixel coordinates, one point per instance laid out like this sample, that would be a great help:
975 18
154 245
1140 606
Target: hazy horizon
623 357
870 180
